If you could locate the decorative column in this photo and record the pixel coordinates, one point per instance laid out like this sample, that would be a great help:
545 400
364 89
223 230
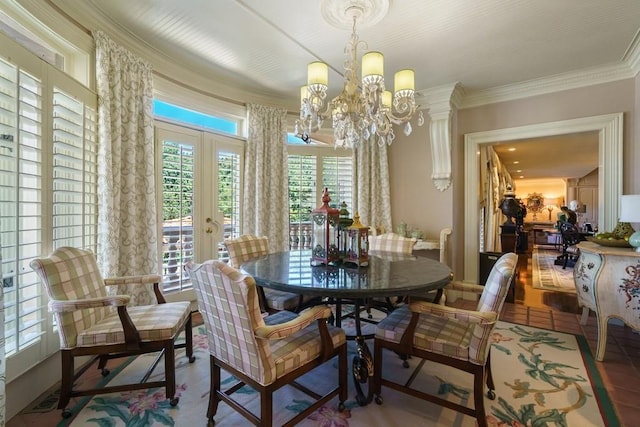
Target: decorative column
443 101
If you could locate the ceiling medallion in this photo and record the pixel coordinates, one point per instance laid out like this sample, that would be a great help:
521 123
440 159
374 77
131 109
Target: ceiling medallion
364 107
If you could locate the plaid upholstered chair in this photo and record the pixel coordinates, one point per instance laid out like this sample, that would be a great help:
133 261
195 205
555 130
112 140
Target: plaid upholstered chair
391 242
387 245
265 357
248 247
92 323
449 336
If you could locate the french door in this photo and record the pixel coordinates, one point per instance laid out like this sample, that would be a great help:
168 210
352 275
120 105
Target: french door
199 184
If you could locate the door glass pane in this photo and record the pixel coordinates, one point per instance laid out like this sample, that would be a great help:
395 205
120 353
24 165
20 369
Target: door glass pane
302 200
229 197
177 213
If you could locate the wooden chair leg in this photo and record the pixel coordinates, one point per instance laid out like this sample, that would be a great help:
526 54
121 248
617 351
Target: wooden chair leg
188 337
490 384
343 381
377 373
102 364
66 385
266 408
170 372
214 388
478 397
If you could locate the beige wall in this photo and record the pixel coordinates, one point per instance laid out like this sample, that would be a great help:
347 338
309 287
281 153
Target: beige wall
416 200
549 188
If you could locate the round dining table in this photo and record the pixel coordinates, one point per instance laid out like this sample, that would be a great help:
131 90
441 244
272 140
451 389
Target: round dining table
386 275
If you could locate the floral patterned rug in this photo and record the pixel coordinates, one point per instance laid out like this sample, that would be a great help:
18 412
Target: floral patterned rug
547 275
542 378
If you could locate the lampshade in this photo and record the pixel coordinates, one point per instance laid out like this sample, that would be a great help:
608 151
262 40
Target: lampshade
630 208
318 74
404 80
630 212
372 66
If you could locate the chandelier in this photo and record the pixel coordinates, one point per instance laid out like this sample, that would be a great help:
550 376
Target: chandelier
364 108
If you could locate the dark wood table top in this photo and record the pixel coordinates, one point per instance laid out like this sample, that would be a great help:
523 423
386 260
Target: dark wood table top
386 275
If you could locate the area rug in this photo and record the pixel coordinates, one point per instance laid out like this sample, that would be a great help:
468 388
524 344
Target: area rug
542 378
547 275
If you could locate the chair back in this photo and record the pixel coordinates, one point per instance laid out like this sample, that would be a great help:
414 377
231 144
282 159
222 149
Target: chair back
570 234
228 302
245 248
492 300
72 274
391 242
498 282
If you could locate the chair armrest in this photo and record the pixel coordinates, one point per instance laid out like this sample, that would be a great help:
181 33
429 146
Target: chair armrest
283 330
464 287
133 280
468 316
145 279
59 306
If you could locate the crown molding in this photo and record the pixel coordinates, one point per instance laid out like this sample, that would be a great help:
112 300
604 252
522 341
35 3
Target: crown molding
557 83
632 55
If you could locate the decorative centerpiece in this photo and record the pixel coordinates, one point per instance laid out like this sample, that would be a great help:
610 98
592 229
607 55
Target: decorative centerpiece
357 243
326 234
345 222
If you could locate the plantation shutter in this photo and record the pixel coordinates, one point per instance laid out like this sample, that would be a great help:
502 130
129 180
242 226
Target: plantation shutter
75 178
229 191
21 100
337 177
302 199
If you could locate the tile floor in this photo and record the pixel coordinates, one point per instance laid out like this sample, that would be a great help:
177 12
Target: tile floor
620 370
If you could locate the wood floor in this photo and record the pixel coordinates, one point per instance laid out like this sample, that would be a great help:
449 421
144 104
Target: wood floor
620 370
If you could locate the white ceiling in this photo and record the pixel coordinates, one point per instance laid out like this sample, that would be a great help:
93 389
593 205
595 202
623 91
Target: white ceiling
265 46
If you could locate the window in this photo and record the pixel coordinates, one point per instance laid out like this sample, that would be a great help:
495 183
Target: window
183 115
48 190
311 169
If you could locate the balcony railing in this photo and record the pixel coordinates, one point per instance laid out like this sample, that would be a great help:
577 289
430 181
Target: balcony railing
300 236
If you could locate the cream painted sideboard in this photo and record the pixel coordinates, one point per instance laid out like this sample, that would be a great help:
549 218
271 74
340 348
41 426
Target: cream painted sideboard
607 281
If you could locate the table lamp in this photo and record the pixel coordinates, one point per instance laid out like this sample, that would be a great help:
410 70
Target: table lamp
630 212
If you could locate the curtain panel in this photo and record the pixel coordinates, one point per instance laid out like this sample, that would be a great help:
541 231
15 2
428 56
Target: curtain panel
127 221
266 184
372 190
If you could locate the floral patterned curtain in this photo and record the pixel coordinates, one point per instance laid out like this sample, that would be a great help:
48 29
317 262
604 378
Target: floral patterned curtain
266 187
127 222
372 191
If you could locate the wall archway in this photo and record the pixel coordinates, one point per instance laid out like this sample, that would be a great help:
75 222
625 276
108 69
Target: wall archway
610 133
